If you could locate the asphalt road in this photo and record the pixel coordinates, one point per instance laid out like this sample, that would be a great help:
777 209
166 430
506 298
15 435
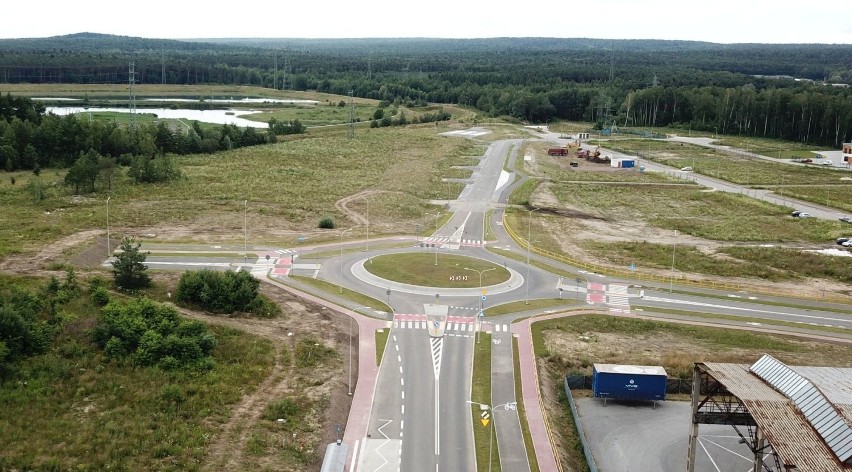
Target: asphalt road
420 418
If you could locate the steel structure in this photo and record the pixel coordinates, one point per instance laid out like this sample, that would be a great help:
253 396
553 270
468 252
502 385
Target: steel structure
788 420
132 101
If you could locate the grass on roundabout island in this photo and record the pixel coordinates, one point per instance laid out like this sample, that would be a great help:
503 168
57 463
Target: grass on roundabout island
451 271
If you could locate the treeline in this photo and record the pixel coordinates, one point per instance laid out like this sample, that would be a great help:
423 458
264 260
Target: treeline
33 140
746 89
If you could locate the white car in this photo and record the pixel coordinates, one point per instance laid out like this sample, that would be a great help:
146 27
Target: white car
686 169
804 215
846 243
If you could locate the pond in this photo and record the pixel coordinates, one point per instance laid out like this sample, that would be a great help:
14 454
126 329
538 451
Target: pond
221 117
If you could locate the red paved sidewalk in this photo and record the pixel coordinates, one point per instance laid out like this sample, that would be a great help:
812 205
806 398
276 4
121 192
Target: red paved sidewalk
532 403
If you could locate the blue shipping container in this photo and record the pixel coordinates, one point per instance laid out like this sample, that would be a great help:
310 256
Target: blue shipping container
629 382
627 163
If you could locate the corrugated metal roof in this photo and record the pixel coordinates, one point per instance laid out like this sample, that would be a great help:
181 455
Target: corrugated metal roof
631 369
791 436
811 402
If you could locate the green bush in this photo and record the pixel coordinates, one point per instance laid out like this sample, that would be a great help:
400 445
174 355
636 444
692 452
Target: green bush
224 292
149 333
327 223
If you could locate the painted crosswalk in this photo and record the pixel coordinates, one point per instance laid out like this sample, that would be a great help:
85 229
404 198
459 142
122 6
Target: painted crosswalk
463 326
617 299
444 242
595 293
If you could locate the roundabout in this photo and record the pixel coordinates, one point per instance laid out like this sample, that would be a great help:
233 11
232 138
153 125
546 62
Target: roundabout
453 276
446 271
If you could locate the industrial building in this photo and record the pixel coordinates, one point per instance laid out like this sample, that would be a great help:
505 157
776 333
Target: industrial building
790 417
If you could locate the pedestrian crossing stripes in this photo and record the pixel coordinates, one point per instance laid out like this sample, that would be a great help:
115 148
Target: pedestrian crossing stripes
286 251
447 243
455 325
618 300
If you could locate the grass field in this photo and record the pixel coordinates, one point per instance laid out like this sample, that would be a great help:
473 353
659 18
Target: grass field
279 181
72 408
451 270
692 210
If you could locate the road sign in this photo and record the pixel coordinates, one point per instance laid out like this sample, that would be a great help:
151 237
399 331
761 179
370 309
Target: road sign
481 314
301 239
483 298
484 291
435 323
486 417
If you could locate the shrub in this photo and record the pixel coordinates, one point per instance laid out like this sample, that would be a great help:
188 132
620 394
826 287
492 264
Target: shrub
150 333
327 223
224 292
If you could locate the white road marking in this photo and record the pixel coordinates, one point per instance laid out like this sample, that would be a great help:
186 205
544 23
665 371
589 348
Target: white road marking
711 305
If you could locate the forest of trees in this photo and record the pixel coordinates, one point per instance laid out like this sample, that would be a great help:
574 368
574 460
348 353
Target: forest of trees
92 150
746 89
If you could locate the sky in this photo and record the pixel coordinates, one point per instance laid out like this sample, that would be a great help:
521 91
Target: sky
720 21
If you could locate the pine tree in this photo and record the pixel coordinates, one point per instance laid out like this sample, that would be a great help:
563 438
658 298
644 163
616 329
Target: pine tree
129 269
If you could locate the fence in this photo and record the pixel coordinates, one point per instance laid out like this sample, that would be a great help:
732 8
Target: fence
587 451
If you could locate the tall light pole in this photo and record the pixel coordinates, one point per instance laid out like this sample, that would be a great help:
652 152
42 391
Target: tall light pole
481 296
245 230
341 259
485 406
674 246
529 244
350 351
109 253
368 221
437 214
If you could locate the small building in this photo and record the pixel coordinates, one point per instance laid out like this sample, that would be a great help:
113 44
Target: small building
847 152
625 163
629 382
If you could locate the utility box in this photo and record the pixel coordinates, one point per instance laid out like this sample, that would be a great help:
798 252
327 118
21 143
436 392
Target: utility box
629 382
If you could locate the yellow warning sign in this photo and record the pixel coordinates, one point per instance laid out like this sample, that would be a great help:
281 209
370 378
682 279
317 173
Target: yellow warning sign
484 292
485 418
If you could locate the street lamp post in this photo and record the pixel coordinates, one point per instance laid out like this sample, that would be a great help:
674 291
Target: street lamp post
109 253
341 258
529 244
674 246
482 295
485 406
368 221
437 214
245 230
350 354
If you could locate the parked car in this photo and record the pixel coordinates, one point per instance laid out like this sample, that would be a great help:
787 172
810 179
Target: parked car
846 219
847 244
827 163
804 215
843 240
806 161
686 169
795 213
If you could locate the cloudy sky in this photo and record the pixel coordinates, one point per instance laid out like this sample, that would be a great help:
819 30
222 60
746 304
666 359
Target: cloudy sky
721 21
